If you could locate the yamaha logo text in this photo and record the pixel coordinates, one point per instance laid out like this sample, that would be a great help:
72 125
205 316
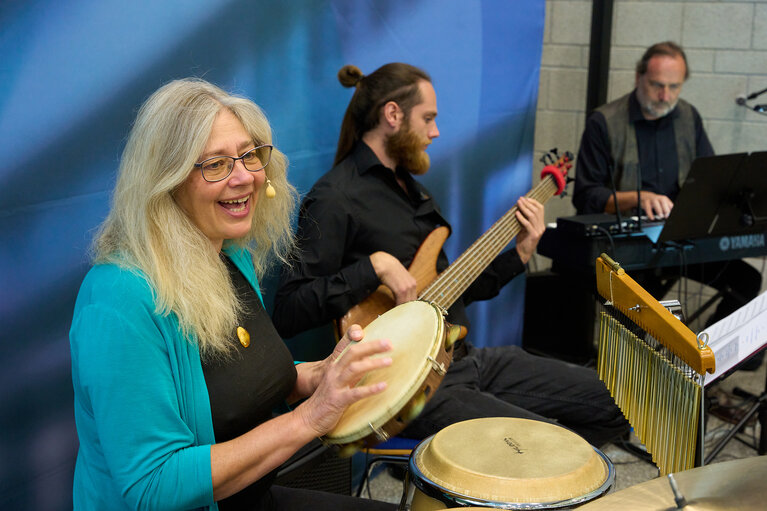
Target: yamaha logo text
740 242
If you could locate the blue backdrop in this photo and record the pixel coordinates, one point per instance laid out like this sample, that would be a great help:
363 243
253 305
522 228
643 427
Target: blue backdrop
72 76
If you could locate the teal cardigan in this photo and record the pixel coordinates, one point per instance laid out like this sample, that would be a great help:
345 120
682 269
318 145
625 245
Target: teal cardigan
141 404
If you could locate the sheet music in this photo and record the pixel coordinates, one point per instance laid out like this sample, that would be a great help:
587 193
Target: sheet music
738 335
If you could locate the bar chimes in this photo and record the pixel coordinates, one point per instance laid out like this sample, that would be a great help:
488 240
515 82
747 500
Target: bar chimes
654 367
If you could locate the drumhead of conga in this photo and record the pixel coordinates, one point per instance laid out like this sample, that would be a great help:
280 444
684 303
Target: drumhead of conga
512 460
415 330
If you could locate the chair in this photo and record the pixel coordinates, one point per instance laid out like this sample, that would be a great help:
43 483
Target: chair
316 467
396 451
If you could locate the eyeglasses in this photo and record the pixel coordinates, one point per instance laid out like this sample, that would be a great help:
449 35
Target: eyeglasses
218 168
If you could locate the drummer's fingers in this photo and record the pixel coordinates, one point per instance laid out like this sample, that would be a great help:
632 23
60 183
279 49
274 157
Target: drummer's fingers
361 392
354 333
355 363
361 350
325 411
359 368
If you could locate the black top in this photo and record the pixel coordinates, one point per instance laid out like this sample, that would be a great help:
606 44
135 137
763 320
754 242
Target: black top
354 210
247 386
657 157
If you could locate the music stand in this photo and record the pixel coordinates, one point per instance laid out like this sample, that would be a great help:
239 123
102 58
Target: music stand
735 339
723 195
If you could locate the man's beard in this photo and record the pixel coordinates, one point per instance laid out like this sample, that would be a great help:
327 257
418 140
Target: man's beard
656 109
406 148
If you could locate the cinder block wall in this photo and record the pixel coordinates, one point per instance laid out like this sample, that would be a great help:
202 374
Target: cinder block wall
726 46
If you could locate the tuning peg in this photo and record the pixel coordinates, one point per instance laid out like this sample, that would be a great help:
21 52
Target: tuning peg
349 450
453 334
416 407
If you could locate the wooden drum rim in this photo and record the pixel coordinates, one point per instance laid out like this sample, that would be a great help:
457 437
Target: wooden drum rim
387 420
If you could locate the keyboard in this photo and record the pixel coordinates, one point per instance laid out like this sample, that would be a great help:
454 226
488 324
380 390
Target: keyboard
576 242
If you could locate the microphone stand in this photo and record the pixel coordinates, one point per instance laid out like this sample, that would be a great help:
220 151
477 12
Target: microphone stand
742 100
639 197
615 198
754 95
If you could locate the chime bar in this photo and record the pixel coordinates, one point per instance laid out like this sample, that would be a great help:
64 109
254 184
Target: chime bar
654 368
659 396
623 293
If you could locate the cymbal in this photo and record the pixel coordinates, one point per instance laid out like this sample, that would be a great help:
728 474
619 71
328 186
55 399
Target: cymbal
737 485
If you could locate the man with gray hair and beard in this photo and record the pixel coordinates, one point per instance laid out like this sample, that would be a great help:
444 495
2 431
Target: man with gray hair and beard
652 133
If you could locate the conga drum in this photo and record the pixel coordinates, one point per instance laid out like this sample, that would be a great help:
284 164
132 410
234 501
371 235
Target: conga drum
421 353
506 463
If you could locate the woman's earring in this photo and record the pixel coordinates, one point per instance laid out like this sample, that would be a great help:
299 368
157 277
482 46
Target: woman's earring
270 191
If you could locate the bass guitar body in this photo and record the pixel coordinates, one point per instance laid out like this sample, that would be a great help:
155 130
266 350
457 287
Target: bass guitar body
423 269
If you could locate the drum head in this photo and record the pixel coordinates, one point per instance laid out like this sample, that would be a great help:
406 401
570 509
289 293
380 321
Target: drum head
415 330
507 460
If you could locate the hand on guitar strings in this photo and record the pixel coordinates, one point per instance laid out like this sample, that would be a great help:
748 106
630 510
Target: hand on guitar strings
340 374
530 216
395 276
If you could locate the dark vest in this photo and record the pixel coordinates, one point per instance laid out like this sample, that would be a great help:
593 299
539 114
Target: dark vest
623 140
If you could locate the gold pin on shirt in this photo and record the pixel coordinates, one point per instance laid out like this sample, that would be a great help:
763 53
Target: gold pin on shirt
244 336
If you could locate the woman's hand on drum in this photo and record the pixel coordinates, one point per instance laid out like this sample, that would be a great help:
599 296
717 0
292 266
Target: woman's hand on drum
337 387
395 276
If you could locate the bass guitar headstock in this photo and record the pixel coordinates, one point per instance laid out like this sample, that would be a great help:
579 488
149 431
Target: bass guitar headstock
557 166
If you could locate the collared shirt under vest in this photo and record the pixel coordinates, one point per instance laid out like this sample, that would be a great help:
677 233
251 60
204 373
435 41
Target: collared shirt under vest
623 141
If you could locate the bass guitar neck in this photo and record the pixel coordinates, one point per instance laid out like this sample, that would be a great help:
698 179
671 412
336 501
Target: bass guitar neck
443 289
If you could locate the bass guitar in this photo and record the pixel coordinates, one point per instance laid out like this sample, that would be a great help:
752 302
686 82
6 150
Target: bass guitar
444 288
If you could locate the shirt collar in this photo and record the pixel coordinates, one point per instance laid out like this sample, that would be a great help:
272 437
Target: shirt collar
365 158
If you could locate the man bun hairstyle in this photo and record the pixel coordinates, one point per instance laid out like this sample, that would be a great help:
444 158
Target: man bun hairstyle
667 48
396 82
350 75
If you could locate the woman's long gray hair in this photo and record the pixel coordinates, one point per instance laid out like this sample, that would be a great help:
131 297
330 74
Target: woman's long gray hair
146 229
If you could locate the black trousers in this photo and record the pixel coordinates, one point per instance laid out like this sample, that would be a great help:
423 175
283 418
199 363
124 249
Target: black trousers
506 381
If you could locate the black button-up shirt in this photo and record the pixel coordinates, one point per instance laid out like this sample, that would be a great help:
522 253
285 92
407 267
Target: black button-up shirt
354 210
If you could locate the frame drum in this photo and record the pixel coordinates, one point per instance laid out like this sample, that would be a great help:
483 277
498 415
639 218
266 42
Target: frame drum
421 354
507 463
